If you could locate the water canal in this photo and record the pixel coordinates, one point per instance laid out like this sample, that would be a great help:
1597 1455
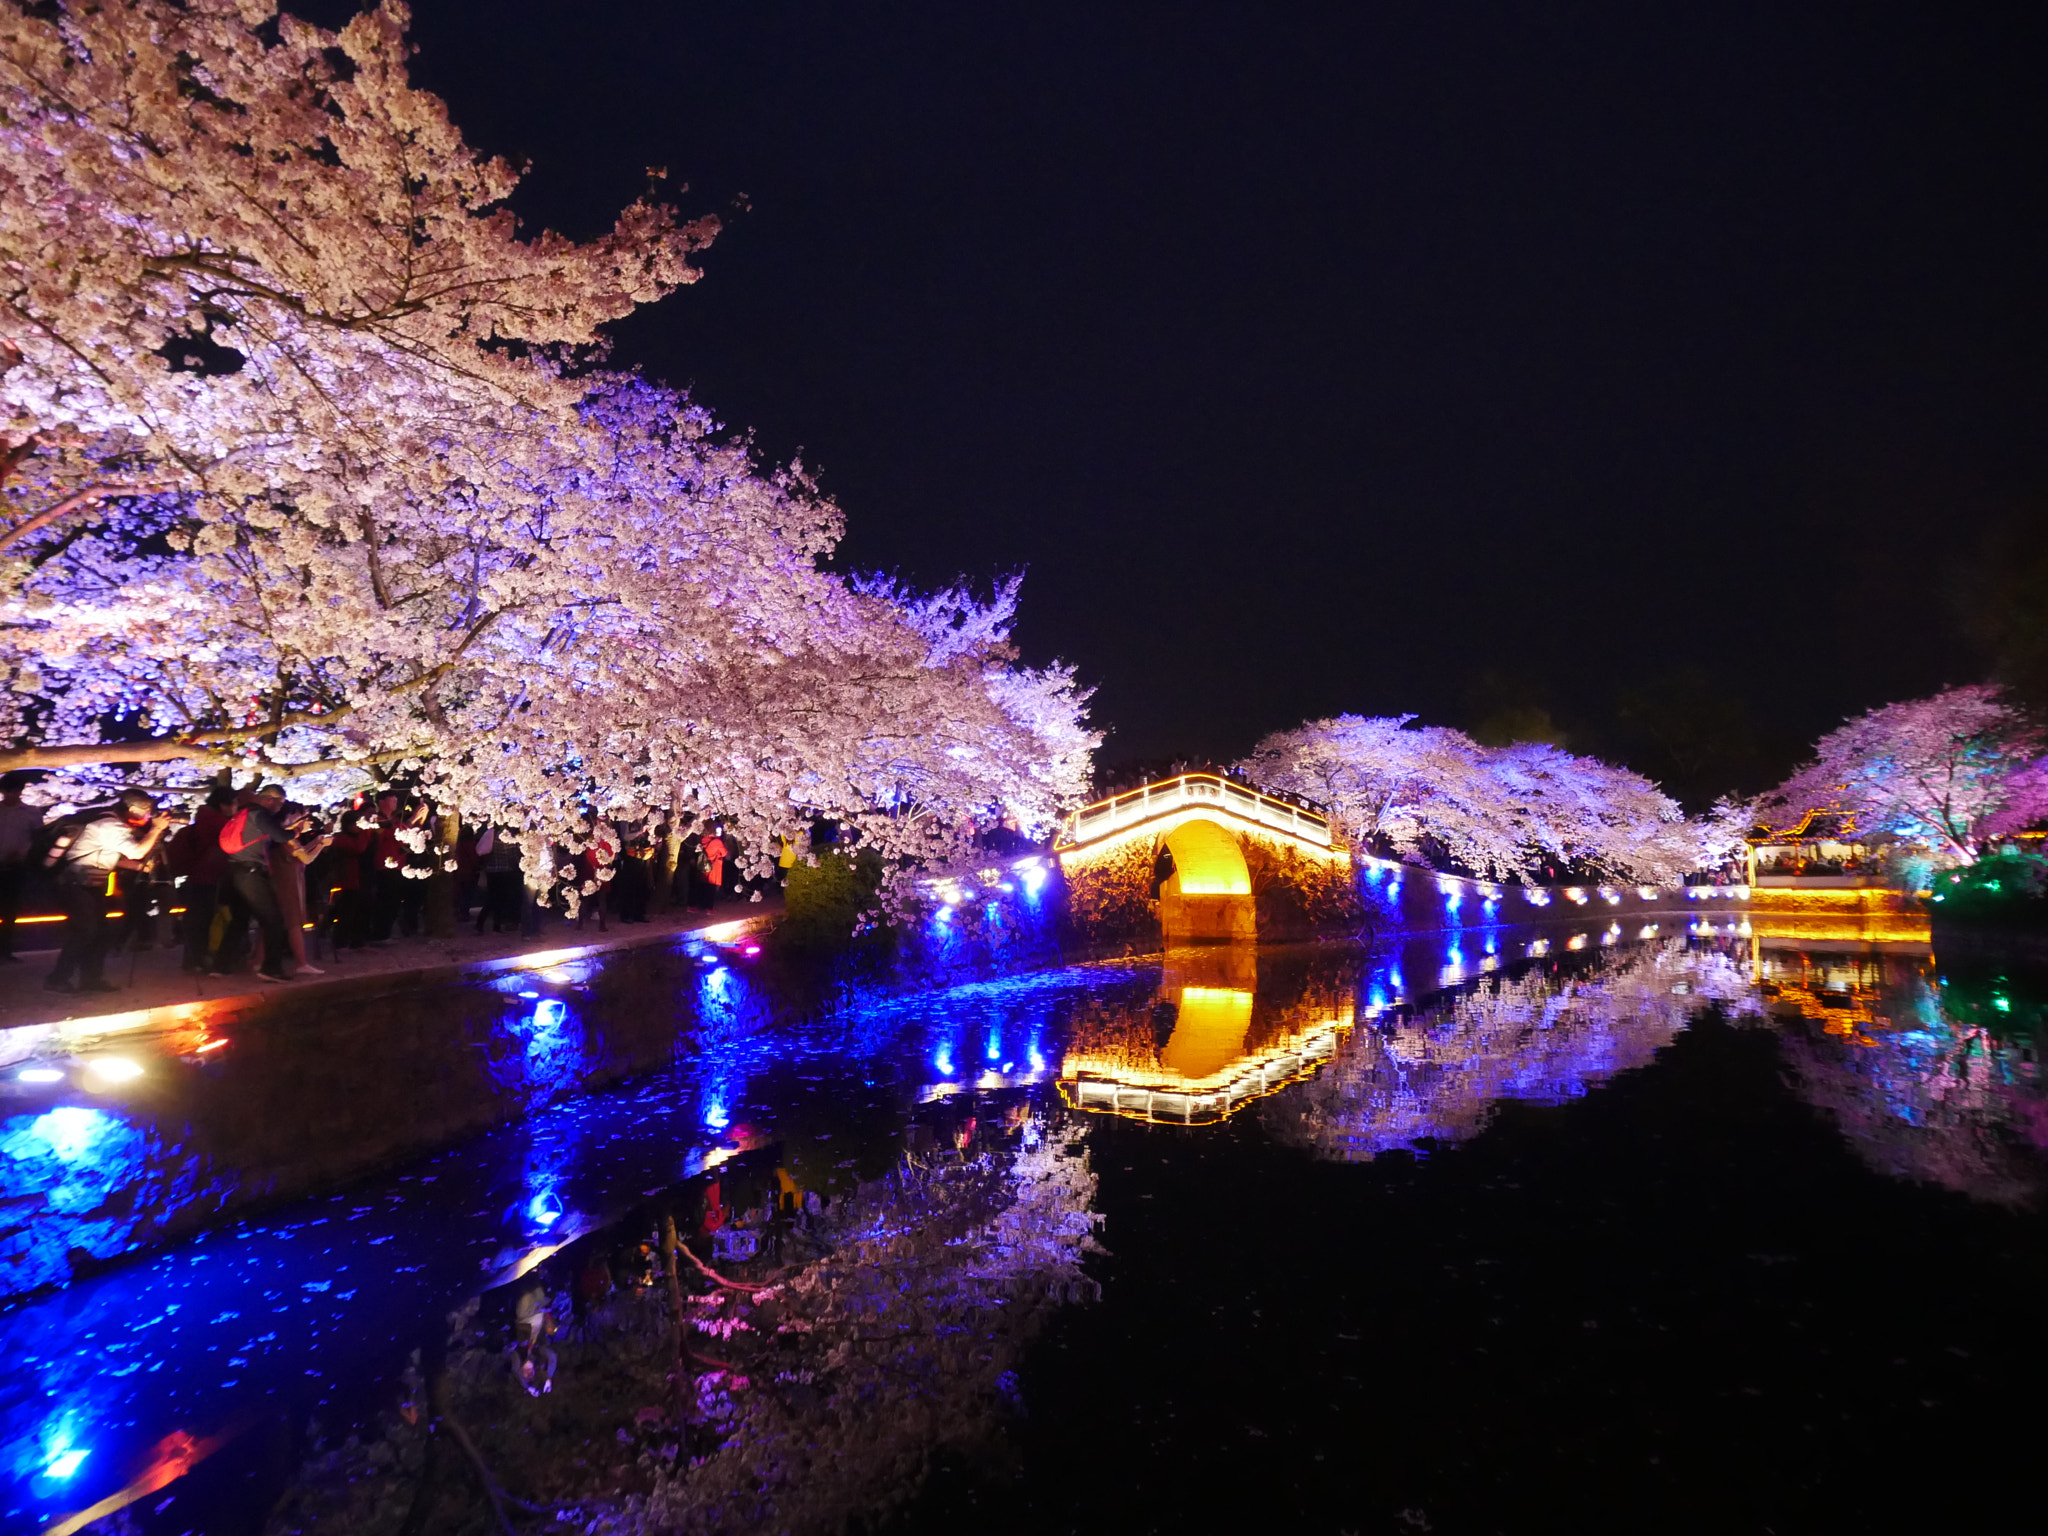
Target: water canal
1519 1228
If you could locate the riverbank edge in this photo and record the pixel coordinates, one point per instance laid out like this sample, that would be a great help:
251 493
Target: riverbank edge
272 1008
18 1042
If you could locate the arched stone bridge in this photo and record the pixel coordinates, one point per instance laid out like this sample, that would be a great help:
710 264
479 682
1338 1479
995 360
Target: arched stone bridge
1234 853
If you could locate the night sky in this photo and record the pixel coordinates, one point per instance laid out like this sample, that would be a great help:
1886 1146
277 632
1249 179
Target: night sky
1379 357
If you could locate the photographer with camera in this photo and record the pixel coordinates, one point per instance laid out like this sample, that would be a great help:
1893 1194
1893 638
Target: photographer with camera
84 857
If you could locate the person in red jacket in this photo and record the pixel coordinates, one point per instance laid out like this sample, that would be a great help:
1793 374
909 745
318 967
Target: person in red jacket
199 864
350 913
711 854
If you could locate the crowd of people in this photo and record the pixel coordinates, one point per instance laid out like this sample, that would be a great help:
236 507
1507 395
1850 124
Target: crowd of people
259 883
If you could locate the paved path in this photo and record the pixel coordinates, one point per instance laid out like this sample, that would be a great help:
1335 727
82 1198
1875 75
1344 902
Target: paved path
153 979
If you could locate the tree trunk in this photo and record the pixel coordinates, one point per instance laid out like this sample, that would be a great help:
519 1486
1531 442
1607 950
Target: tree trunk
440 903
665 869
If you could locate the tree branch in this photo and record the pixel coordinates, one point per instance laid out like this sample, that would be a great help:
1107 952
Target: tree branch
71 504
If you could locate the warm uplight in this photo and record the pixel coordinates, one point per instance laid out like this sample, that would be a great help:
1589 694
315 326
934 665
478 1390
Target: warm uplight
540 959
1206 792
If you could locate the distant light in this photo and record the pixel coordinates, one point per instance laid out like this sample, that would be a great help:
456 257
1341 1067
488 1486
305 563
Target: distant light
529 995
550 1013
751 949
556 973
543 1209
715 1117
65 1463
942 1061
212 1045
115 1069
39 1075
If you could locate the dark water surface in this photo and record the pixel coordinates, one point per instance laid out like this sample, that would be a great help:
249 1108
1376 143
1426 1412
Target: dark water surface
1513 1230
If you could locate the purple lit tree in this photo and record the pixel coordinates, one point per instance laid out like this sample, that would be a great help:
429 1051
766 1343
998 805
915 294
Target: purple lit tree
1943 776
1499 812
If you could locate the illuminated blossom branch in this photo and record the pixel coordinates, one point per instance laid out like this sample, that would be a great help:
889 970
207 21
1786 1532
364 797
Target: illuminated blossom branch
1498 812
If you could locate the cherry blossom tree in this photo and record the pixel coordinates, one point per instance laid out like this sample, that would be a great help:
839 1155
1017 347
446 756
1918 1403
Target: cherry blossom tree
1943 775
262 265
306 472
265 279
1498 812
623 610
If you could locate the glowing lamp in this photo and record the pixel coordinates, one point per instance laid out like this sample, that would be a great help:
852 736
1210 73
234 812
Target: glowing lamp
64 1464
39 1075
113 1069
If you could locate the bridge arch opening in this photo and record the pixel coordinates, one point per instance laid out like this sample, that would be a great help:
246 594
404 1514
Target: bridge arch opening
1208 898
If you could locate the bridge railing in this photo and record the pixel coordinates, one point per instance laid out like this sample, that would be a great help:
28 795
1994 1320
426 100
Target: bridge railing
1193 791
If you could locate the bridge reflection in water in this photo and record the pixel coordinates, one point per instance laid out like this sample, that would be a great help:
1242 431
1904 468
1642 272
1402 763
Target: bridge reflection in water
1537 1016
1202 1050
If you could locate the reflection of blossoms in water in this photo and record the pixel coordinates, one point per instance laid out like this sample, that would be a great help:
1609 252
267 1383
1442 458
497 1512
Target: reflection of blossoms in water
1543 1036
822 1396
909 1332
1049 1223
1919 1092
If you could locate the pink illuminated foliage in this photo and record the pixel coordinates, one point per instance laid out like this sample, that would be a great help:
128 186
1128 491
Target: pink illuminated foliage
307 472
1944 776
1501 813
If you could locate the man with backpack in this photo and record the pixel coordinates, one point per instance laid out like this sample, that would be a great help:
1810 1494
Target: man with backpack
248 892
84 856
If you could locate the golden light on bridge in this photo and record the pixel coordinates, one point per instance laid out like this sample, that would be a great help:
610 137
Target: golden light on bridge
1207 824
